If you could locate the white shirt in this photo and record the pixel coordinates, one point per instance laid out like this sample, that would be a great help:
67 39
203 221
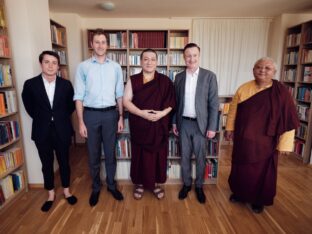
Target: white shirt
50 89
189 96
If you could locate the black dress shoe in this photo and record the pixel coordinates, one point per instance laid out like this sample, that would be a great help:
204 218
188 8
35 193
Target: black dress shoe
94 198
184 191
201 197
257 208
116 194
234 198
47 206
72 200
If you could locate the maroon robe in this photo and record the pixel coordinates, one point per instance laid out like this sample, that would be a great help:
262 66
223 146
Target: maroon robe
149 140
259 122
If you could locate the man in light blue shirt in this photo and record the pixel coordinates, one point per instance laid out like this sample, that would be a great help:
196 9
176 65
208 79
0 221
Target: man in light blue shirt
98 86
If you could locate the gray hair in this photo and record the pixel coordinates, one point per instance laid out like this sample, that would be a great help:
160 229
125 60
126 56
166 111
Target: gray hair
267 59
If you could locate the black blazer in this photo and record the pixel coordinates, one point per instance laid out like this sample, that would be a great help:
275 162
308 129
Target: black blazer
37 105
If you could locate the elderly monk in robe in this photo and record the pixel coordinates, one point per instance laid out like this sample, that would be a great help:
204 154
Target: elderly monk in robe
262 120
149 97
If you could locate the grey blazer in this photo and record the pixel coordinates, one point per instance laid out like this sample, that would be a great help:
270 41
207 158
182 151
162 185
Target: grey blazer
206 100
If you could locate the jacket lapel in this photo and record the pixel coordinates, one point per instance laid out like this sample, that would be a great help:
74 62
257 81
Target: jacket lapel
183 89
43 92
57 92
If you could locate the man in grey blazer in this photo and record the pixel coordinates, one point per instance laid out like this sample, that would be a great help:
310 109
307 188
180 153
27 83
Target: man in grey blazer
196 117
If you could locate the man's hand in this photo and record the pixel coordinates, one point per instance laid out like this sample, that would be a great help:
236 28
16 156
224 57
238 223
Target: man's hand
210 134
83 130
228 135
175 130
120 124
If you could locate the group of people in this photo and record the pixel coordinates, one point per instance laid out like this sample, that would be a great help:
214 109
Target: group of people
261 122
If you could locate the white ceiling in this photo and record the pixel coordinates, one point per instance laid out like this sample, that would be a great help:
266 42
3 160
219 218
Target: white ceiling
182 8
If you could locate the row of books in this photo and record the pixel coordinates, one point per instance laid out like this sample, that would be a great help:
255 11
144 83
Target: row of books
177 42
117 40
5 75
290 75
307 56
134 59
174 169
307 74
63 72
10 159
9 131
11 184
58 35
293 39
62 54
303 112
299 147
212 147
308 35
118 56
302 131
124 74
304 94
123 147
147 39
291 57
8 102
4 46
177 58
173 72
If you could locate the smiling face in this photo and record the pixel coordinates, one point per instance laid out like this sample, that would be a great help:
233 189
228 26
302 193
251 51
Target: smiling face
264 71
99 45
191 57
149 62
49 66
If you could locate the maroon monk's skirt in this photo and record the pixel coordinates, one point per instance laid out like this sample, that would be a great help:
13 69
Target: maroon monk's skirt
148 167
255 183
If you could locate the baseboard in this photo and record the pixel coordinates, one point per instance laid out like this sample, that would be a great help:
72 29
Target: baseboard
35 186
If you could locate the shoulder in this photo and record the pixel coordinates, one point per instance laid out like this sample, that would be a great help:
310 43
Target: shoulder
33 80
113 63
246 86
206 72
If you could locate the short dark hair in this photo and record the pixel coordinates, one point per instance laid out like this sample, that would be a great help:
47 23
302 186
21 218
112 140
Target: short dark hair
191 45
49 52
148 50
97 32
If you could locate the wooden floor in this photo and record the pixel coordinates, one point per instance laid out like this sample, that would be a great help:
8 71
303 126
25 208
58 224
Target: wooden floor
291 212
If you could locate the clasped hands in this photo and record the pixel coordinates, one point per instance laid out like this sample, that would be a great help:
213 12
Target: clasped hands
152 115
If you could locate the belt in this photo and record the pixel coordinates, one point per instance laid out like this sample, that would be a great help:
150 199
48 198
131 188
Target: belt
100 109
189 118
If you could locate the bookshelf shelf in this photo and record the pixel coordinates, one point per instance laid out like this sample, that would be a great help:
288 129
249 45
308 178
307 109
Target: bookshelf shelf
167 43
13 180
59 45
298 52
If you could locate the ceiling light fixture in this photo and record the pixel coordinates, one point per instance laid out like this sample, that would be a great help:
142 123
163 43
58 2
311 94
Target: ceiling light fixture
107 6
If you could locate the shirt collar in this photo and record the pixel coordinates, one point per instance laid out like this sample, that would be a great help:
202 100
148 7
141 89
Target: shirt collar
94 60
45 81
193 74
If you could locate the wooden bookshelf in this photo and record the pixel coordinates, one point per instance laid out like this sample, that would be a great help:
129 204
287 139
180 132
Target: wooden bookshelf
13 178
297 76
125 47
59 45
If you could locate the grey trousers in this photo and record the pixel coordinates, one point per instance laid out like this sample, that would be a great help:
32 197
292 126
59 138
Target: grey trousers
192 142
102 128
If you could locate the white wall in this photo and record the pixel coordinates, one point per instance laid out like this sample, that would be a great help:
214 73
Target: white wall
28 22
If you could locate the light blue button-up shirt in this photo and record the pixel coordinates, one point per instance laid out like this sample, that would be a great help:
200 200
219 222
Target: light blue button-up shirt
98 85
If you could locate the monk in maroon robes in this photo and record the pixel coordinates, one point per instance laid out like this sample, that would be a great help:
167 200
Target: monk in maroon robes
149 97
262 122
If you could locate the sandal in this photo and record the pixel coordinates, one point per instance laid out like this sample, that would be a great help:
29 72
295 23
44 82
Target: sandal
159 192
138 191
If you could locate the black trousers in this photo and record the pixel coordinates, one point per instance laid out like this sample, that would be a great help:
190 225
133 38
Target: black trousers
46 153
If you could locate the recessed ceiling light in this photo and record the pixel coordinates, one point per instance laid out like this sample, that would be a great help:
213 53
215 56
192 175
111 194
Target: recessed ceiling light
107 6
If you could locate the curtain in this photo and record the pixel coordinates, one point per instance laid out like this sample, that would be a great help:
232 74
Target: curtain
230 47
